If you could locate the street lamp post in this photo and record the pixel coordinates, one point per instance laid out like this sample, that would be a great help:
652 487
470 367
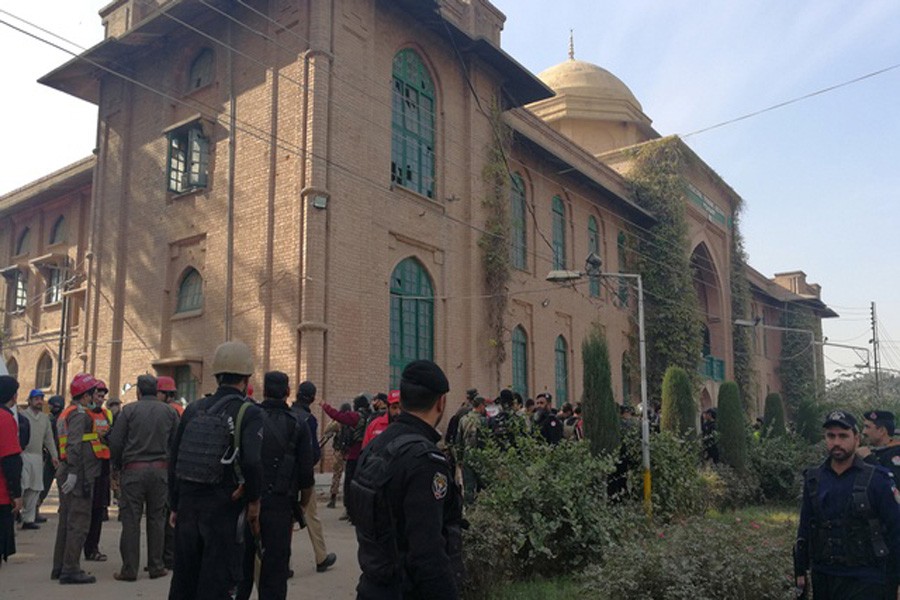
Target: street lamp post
592 269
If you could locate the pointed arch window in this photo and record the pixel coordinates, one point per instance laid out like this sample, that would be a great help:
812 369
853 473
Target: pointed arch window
19 291
44 374
518 246
23 245
559 233
412 317
190 292
201 72
12 365
412 124
58 231
594 246
562 371
520 361
623 267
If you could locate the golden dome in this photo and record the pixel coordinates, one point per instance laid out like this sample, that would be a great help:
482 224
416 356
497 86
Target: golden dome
580 78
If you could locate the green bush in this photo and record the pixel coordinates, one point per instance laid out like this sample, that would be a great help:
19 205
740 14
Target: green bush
601 415
773 416
778 463
728 489
679 410
699 559
808 420
731 427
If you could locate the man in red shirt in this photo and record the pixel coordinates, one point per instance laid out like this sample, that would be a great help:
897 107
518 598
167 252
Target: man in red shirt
379 424
10 468
356 420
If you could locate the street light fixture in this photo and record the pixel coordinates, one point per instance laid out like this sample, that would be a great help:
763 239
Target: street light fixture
593 268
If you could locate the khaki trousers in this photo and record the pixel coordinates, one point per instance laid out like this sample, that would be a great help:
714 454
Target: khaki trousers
74 522
314 527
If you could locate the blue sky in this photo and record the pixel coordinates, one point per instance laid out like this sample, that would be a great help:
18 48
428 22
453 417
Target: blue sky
819 177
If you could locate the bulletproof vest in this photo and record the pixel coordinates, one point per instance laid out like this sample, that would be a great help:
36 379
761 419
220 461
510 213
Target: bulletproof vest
854 539
281 430
379 556
209 443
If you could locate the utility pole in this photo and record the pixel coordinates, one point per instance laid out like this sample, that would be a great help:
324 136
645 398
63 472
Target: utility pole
875 353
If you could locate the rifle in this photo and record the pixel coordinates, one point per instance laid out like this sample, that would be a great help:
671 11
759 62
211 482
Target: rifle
801 561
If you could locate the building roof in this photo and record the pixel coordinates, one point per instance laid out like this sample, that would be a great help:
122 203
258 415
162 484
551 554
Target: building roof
587 79
56 184
777 292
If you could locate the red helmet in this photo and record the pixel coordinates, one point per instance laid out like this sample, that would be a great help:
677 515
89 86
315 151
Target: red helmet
101 385
164 383
81 383
249 390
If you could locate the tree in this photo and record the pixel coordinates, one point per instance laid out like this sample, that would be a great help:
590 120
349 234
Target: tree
773 416
601 416
679 410
731 427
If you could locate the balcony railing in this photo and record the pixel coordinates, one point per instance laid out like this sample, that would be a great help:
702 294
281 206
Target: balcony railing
712 368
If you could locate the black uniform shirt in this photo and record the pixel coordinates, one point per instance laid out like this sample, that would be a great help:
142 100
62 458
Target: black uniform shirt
303 453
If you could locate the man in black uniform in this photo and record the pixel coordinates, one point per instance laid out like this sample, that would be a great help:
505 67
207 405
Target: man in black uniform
405 506
212 490
880 448
287 459
849 530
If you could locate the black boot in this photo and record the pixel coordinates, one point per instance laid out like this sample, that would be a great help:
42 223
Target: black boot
331 503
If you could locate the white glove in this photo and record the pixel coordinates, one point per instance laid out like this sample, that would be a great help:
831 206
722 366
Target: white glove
69 484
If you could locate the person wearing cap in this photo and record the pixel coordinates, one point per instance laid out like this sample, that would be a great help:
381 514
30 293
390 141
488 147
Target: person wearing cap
379 424
102 423
849 532
167 390
114 406
139 444
413 549
57 404
881 449
79 467
306 396
208 517
33 457
10 468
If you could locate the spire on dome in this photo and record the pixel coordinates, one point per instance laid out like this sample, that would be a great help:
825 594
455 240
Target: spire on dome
571 44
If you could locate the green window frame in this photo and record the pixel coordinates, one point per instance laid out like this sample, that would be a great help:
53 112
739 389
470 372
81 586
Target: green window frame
58 231
562 371
412 124
412 317
20 291
190 292
594 246
623 266
559 233
53 293
518 237
520 361
188 159
185 383
43 378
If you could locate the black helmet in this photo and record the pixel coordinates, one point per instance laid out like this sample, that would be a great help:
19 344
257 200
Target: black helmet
56 402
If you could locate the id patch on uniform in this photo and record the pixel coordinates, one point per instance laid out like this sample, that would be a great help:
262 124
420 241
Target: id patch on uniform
896 493
895 460
439 486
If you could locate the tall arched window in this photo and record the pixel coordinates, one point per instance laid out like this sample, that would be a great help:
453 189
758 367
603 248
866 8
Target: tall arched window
623 267
412 316
626 379
23 245
518 239
44 377
559 233
594 246
201 73
520 361
190 292
562 371
58 231
412 124
12 365
19 300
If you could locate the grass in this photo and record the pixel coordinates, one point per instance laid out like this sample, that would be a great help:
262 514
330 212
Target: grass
542 589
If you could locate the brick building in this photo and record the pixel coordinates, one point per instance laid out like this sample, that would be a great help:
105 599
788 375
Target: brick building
309 177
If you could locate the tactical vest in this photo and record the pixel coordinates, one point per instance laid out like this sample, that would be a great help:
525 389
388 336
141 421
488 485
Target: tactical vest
100 424
854 539
210 442
279 452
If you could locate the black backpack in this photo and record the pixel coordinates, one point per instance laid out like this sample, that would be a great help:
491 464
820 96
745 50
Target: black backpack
280 473
209 442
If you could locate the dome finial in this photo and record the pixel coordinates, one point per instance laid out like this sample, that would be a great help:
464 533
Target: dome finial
571 44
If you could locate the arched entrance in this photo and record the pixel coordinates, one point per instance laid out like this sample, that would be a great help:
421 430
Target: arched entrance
705 400
709 297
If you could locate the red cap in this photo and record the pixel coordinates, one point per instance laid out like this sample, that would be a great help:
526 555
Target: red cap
81 383
164 383
249 390
394 397
101 385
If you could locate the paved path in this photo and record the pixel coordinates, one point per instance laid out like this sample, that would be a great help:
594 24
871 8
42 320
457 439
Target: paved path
27 574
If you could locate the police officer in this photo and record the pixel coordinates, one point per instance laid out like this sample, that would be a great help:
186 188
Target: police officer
881 449
210 506
404 503
849 531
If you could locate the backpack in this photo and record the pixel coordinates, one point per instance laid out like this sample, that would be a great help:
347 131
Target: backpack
359 430
344 438
210 441
281 471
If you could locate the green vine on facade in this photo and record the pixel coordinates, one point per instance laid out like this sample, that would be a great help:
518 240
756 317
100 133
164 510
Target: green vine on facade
672 310
797 352
744 374
494 241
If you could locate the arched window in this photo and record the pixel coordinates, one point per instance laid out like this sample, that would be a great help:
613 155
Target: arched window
58 231
24 243
44 378
412 124
562 371
19 300
594 246
626 379
518 239
623 267
190 292
412 317
520 361
559 233
12 365
201 73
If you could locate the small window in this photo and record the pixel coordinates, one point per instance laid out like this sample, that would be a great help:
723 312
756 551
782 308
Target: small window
520 361
58 231
201 73
594 246
185 383
518 246
190 292
12 365
54 286
559 233
24 243
44 378
623 267
19 291
562 371
188 163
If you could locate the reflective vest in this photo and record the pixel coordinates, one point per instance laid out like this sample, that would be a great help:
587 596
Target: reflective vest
101 422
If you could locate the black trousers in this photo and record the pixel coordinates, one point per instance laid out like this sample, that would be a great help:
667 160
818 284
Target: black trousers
829 587
349 470
275 524
209 546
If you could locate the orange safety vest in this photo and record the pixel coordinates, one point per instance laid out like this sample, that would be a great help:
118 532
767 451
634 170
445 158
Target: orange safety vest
178 407
101 422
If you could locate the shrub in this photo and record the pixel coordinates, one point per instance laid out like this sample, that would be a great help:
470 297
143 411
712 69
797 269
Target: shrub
809 420
778 463
773 416
601 416
728 489
679 410
731 427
